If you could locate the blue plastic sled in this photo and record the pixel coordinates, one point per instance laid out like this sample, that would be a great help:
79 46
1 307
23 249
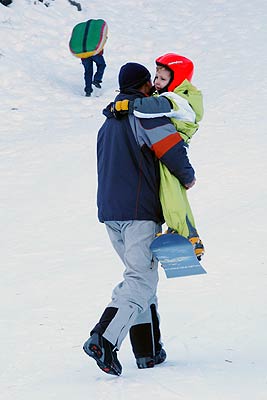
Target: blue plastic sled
176 255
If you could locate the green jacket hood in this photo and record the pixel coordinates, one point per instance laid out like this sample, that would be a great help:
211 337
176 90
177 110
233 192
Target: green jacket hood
193 96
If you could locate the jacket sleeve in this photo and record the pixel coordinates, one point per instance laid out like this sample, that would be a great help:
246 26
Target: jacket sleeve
151 107
167 144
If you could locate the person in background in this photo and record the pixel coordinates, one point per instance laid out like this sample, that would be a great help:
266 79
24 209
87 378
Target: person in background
89 76
128 154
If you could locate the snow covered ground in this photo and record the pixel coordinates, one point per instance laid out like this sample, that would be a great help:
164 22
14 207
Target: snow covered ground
57 265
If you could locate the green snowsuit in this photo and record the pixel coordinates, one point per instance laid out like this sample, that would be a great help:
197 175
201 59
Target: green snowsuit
187 111
173 196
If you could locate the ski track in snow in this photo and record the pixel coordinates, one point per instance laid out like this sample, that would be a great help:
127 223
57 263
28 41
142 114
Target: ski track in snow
57 265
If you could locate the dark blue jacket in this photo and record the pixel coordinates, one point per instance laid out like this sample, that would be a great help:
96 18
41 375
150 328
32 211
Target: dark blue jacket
128 150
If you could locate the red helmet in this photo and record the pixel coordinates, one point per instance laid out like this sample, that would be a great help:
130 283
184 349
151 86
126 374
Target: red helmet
181 68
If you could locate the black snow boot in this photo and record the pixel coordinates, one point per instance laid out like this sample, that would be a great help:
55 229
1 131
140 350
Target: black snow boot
104 353
160 356
146 343
150 362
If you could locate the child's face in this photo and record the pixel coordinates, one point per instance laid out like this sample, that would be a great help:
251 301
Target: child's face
162 78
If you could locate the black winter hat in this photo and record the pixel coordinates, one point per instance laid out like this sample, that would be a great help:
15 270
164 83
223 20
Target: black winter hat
132 76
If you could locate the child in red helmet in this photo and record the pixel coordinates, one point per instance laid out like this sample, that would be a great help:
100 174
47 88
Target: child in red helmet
185 108
172 80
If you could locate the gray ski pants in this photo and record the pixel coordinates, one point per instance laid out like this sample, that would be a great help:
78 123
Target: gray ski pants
134 295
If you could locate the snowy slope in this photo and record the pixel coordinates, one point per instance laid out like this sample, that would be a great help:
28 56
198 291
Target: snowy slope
57 265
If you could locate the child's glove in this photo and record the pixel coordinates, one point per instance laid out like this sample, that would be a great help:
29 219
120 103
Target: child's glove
122 108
